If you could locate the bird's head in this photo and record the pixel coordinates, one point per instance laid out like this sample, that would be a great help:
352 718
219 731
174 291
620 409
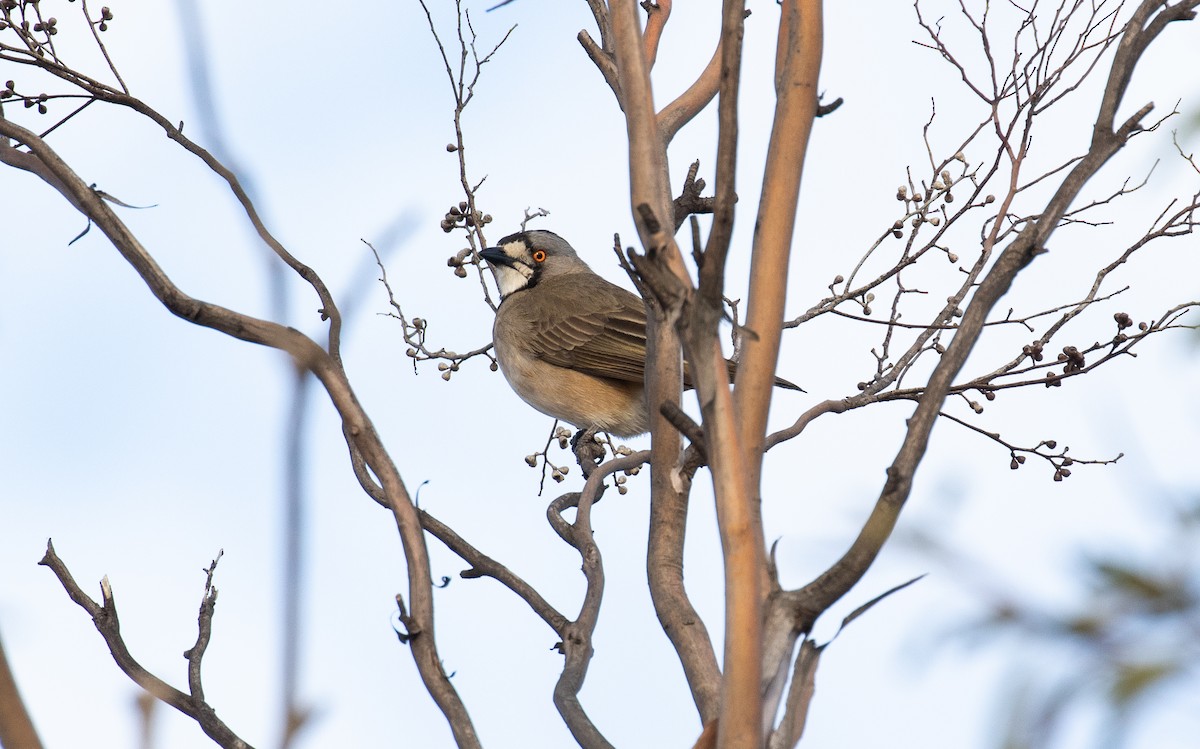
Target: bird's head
520 260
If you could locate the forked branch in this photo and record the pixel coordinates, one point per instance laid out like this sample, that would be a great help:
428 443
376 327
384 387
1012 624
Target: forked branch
104 616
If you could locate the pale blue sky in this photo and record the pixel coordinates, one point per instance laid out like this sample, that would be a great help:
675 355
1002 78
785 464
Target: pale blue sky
143 445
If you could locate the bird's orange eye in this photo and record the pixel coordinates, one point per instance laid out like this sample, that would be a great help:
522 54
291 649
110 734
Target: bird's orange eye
539 256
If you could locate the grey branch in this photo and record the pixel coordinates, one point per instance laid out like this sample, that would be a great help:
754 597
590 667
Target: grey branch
104 616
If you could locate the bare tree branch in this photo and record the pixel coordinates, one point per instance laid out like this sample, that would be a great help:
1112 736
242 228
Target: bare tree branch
577 635
328 369
484 566
657 13
1106 141
104 616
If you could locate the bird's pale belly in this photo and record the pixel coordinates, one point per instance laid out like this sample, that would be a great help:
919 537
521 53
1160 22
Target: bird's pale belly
614 406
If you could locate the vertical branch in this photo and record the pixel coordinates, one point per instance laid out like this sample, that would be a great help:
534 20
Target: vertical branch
650 188
680 621
292 621
741 530
657 14
740 712
798 62
712 273
648 178
741 540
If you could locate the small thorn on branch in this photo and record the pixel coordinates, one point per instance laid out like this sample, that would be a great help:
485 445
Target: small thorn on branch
830 108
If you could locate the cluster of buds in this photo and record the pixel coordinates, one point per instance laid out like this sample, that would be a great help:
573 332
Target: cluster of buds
10 90
1062 471
1073 358
417 325
461 216
1033 350
941 187
1125 321
415 333
105 16
447 369
558 473
976 406
920 203
944 185
563 435
867 298
619 481
1062 464
49 26
460 261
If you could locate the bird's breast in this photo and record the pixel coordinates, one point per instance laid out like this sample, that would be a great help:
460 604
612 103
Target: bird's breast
614 406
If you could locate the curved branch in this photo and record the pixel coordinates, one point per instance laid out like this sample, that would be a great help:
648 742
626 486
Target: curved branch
102 92
328 370
577 635
692 101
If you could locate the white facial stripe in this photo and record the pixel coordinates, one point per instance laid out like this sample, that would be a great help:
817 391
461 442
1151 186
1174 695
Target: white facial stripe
517 276
512 278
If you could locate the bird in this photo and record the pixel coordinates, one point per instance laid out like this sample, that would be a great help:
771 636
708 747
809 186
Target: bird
571 343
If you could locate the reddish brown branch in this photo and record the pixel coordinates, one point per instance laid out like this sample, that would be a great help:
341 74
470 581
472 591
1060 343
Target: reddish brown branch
657 13
651 200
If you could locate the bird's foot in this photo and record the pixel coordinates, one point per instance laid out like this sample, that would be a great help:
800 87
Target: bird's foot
587 451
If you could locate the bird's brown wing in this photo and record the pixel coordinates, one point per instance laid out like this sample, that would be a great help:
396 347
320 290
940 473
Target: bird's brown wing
590 325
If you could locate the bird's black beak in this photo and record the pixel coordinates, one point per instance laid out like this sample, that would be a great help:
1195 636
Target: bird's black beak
497 256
